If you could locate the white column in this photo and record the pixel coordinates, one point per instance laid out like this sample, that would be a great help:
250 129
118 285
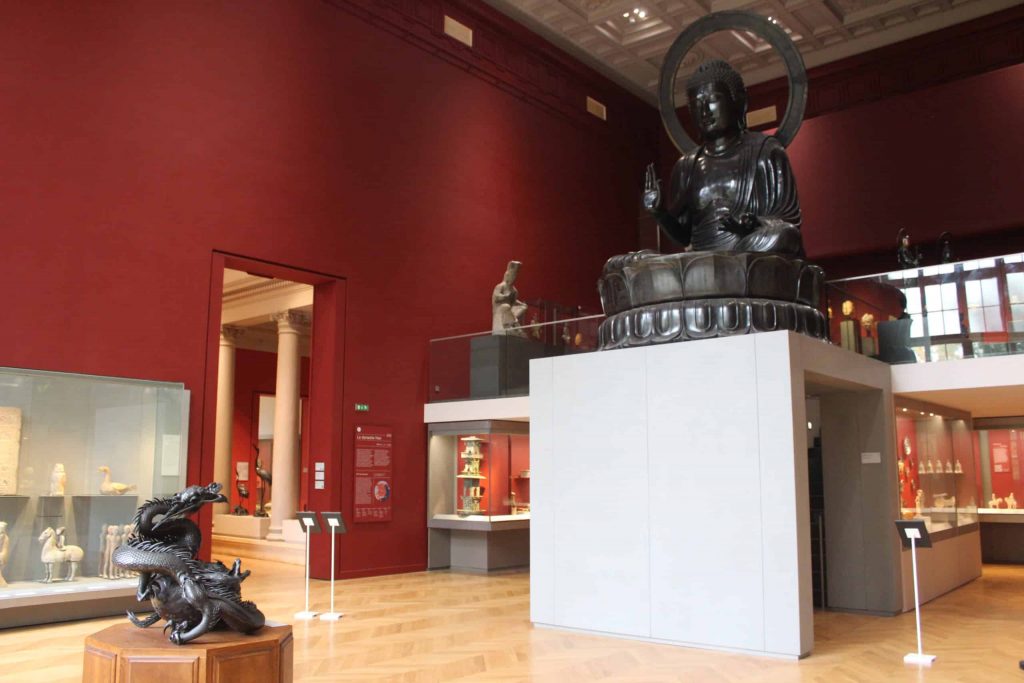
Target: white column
225 412
285 489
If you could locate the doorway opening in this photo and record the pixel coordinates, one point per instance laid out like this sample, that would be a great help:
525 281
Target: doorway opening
266 409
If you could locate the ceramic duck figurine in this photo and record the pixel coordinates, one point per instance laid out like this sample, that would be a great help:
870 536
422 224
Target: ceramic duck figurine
113 488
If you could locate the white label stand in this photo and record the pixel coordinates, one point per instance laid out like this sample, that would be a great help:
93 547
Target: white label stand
919 657
332 615
306 614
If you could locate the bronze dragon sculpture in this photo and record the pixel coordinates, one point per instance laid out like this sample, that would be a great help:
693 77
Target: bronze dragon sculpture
193 596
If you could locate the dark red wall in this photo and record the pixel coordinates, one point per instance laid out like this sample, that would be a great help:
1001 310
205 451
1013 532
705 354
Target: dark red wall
945 158
140 137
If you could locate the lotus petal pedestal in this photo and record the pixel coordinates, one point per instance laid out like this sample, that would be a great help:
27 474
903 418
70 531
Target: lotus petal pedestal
127 654
651 298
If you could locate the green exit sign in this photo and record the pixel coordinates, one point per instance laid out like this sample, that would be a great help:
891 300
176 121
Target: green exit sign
362 407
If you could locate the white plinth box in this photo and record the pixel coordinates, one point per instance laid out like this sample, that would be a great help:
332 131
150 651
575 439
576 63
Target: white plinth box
669 495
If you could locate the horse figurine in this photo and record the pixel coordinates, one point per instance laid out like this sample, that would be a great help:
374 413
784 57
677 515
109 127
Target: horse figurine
52 553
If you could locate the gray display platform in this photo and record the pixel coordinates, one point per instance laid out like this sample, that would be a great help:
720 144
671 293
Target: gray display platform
499 365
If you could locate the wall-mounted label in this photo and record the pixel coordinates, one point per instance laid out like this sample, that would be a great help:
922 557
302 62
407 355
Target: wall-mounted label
870 458
373 475
362 407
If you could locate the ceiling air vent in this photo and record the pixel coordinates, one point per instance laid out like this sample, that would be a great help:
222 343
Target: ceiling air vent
597 109
458 31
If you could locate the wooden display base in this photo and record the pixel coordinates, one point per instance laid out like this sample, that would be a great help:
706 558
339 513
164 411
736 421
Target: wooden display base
128 654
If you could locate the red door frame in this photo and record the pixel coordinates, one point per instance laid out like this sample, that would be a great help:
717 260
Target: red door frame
326 389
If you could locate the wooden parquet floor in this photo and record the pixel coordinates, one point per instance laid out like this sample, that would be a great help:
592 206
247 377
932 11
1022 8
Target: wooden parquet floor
433 627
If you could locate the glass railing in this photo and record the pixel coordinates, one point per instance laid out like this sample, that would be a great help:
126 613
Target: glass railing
487 365
967 309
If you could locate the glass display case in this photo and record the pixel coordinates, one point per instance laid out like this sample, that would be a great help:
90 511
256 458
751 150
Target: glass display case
936 468
77 455
948 311
999 447
478 498
480 474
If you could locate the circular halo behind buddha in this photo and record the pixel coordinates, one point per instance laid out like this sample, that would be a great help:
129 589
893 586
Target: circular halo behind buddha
733 203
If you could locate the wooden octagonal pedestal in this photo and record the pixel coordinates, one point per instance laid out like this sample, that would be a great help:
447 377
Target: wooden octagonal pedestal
127 654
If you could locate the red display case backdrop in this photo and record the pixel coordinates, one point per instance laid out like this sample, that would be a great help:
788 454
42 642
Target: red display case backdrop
1005 452
910 481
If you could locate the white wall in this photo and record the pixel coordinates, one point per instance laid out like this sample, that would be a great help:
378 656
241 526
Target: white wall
669 495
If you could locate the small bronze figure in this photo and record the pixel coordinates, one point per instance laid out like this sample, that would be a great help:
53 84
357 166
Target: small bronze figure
243 493
267 480
906 256
945 248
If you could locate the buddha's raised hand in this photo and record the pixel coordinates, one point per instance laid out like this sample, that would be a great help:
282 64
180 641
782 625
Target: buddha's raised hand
652 189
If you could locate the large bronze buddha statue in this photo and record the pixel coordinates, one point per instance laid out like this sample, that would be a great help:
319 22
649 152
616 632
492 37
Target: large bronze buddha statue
736 190
732 202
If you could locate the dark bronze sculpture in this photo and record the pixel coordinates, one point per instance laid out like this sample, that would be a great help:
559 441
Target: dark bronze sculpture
906 256
193 596
736 191
267 479
243 493
946 248
732 201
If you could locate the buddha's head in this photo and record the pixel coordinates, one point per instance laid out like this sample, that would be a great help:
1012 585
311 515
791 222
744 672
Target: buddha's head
718 99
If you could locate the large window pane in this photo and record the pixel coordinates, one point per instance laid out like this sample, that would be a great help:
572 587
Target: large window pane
949 296
935 326
990 291
973 290
976 318
914 298
1017 311
993 320
917 327
1015 287
951 320
933 298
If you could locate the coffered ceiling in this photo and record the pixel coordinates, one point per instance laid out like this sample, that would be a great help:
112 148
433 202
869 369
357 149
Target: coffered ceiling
627 39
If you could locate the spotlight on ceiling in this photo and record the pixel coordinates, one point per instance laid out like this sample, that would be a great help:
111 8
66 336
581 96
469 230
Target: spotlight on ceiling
635 15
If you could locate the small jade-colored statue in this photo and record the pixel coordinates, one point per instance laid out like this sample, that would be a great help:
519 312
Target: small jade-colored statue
736 190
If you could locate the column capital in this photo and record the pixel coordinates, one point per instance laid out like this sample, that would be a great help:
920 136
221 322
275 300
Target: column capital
229 335
290 321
